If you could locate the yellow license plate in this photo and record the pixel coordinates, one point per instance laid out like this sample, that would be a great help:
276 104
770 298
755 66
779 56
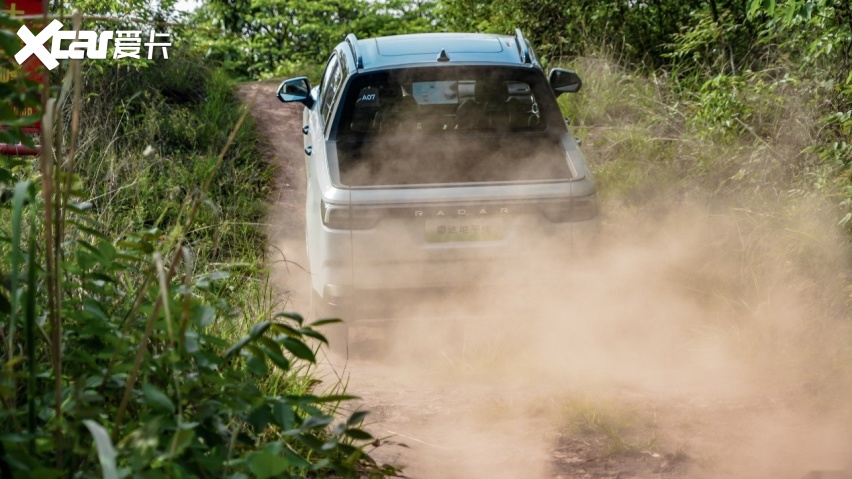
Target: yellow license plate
441 230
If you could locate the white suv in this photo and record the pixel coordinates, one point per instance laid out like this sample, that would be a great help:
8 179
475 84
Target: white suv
434 160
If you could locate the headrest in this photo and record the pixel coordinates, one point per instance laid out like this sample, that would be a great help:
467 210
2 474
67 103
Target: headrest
368 97
491 91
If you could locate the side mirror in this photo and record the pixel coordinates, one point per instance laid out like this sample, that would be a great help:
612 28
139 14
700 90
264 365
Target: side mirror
296 90
564 81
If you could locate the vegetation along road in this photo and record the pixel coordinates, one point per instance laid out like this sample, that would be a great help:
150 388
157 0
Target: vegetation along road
154 317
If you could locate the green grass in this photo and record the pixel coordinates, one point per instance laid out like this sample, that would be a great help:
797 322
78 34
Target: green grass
141 172
616 428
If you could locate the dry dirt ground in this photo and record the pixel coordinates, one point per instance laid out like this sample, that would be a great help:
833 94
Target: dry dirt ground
491 403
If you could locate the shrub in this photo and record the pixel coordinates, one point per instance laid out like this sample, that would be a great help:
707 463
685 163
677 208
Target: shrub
134 346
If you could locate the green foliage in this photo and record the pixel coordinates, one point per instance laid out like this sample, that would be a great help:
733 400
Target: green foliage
171 120
648 145
642 31
481 16
726 107
266 38
817 36
139 338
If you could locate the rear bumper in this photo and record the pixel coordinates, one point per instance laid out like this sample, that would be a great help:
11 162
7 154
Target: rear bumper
434 303
384 287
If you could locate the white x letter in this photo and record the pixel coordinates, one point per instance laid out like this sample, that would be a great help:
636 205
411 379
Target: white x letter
34 44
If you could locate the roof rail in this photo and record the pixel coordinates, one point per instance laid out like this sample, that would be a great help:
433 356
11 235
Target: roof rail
523 51
352 40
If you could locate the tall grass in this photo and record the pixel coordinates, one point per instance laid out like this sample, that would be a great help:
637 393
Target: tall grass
140 334
746 139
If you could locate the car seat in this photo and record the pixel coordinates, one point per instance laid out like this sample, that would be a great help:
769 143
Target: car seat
522 113
399 113
470 115
366 109
474 114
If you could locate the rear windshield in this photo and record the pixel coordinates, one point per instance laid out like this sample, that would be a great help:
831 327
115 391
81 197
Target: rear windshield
444 100
449 125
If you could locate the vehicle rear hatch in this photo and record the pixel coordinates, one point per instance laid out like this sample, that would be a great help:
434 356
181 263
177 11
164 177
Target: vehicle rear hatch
439 215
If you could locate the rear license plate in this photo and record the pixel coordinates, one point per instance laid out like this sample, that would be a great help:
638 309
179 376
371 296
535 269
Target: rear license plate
440 230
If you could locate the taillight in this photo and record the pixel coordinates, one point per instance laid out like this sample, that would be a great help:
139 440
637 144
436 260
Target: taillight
576 209
347 218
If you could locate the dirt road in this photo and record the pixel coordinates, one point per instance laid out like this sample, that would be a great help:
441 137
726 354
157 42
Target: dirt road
622 398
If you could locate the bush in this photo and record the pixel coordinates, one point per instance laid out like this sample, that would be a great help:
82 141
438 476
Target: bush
140 337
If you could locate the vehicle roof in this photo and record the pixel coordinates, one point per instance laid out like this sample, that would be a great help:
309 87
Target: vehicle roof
468 48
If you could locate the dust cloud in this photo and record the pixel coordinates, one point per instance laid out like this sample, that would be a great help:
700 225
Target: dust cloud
716 330
452 159
723 329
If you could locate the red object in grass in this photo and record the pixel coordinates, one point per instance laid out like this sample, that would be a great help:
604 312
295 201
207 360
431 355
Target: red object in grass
31 67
